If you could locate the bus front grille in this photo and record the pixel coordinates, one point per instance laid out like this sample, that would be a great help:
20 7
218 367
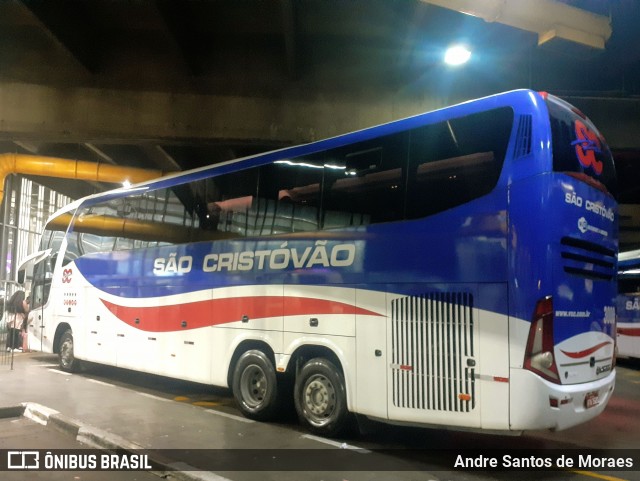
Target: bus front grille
432 349
587 259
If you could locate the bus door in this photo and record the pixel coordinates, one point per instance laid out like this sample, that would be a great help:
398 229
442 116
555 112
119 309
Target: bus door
35 274
433 347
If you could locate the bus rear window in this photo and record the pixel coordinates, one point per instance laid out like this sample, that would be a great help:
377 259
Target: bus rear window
578 147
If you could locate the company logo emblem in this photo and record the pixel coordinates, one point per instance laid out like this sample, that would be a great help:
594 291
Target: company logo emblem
66 275
583 225
587 145
23 460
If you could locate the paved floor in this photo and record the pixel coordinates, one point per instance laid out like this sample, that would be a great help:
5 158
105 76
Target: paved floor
199 426
184 436
20 433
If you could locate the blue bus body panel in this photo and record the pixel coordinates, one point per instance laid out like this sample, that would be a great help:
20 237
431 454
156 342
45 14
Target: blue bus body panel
464 245
629 311
628 325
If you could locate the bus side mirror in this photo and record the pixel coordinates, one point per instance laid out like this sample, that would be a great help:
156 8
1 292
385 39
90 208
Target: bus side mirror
25 267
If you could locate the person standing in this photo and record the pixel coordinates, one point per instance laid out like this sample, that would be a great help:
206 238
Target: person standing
25 326
17 311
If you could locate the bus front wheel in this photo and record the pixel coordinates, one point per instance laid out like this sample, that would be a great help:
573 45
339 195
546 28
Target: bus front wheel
67 360
255 386
320 398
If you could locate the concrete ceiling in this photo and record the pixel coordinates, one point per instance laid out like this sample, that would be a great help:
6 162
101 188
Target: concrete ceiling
176 84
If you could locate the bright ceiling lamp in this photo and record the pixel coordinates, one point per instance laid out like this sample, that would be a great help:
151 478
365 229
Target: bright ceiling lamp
457 55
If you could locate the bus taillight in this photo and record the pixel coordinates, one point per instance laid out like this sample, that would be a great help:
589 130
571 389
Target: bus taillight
538 356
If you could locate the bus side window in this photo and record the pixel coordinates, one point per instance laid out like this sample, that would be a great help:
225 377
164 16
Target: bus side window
291 189
371 186
456 161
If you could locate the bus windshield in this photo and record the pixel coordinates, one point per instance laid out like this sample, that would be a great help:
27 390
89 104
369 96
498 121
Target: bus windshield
578 147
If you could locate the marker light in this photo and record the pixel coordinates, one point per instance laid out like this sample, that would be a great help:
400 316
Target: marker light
457 55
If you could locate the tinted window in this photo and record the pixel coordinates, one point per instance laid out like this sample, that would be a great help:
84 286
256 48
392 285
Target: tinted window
405 175
454 162
363 183
278 198
371 187
578 147
629 285
141 220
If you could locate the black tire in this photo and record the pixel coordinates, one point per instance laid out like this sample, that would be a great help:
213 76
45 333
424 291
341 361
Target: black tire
66 359
320 398
255 387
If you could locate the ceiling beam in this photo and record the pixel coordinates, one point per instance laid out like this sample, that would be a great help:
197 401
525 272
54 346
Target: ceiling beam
165 118
160 157
550 19
30 147
98 152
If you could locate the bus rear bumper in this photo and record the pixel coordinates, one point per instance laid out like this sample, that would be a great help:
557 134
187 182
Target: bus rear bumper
540 404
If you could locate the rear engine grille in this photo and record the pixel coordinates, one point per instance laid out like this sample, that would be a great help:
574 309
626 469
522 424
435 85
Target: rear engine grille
432 343
588 259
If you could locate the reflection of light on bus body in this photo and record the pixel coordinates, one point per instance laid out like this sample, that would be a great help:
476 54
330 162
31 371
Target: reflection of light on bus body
311 166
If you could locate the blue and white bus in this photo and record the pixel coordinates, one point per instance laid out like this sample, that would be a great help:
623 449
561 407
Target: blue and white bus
456 268
628 325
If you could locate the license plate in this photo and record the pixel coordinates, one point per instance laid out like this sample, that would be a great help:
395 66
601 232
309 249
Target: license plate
592 399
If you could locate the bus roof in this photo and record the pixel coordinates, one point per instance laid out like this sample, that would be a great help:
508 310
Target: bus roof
522 99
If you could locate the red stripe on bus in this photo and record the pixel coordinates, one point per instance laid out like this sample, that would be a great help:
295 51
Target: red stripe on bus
586 352
629 331
222 311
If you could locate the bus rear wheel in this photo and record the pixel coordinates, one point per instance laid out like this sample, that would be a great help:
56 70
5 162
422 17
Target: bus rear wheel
67 360
255 387
320 398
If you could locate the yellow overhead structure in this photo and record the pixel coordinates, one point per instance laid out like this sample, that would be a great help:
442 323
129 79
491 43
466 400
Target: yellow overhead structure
70 169
146 230
550 19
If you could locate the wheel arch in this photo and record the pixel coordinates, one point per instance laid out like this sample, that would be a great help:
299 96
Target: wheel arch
307 352
60 330
244 346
